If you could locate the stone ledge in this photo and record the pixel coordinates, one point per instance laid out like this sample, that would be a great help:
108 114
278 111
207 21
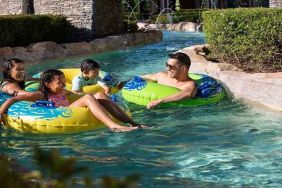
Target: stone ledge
263 88
37 52
181 26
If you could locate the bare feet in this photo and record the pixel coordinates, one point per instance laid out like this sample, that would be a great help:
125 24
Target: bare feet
123 129
139 126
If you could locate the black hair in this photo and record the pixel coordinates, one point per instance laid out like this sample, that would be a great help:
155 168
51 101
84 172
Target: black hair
48 76
88 65
182 58
7 67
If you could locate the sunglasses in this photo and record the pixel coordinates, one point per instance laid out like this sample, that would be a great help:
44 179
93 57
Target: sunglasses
171 67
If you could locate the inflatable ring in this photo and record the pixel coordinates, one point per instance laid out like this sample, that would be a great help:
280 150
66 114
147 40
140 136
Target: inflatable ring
44 117
141 92
71 73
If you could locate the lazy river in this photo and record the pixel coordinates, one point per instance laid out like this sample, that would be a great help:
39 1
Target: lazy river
227 144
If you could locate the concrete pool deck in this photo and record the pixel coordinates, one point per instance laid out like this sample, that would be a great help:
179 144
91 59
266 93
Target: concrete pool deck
262 88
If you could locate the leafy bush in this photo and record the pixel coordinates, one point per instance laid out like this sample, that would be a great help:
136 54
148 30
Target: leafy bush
130 26
182 15
130 21
21 30
132 16
54 171
249 38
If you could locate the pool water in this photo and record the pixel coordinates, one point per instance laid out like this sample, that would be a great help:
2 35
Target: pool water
228 144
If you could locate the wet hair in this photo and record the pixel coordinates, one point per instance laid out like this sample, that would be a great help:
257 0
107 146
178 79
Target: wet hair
7 67
48 76
182 58
88 65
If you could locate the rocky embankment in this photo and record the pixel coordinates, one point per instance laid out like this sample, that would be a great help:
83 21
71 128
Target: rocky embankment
50 50
262 88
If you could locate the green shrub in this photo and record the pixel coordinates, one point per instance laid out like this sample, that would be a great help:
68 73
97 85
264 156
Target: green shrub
130 26
132 16
130 21
182 15
248 38
55 171
21 30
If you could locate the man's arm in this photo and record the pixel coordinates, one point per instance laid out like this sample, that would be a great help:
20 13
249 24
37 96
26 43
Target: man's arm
185 93
151 77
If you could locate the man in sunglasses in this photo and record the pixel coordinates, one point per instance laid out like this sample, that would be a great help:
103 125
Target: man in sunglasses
176 75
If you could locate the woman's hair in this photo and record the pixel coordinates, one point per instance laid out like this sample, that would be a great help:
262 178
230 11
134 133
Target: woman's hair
47 77
7 67
88 65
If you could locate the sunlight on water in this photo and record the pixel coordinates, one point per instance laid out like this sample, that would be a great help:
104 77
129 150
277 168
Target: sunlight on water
228 144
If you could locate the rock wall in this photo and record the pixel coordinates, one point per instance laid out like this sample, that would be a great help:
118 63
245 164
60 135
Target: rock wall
94 18
275 3
79 12
108 19
10 7
42 51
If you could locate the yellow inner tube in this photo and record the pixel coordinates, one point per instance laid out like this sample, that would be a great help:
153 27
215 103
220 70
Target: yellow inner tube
71 73
24 117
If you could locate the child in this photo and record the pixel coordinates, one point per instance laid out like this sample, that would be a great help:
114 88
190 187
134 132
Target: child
89 76
52 89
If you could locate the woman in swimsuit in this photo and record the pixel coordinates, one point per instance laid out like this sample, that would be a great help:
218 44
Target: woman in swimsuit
14 77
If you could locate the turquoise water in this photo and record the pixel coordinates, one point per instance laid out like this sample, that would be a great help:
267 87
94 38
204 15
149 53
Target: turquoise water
228 144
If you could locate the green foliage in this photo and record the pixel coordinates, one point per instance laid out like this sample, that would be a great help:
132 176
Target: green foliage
21 30
177 5
56 172
130 21
9 177
182 15
132 16
248 38
130 26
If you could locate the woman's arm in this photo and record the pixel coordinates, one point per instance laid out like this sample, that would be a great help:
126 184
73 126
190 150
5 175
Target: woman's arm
14 89
25 97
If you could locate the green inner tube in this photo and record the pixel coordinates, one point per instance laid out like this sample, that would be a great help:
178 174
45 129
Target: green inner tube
141 92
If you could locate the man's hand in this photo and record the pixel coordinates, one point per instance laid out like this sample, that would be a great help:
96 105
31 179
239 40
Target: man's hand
121 84
154 103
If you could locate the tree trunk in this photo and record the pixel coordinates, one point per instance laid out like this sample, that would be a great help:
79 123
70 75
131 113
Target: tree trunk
27 7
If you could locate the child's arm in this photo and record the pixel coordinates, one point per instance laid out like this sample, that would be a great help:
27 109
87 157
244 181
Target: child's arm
76 86
104 85
107 89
